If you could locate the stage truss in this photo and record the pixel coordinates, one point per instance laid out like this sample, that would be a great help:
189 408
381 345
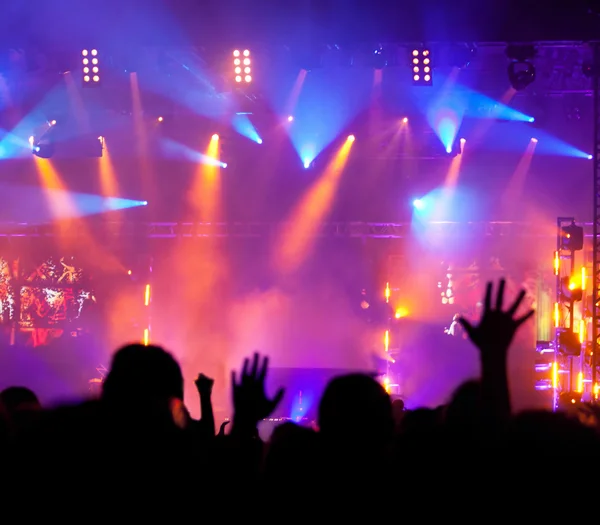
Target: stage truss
373 230
596 222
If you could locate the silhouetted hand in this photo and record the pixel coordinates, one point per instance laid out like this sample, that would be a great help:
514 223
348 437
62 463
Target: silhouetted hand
204 384
497 328
249 399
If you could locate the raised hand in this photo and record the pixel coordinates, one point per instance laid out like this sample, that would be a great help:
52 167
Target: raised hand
496 329
250 401
204 384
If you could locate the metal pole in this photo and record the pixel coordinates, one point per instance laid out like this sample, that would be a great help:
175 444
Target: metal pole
596 204
556 313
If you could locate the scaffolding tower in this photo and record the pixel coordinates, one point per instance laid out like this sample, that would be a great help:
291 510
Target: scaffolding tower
596 222
570 370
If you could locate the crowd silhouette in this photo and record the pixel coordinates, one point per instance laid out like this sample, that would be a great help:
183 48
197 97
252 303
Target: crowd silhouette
135 453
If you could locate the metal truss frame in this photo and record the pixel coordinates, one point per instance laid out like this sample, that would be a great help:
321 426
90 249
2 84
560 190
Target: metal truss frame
596 221
372 230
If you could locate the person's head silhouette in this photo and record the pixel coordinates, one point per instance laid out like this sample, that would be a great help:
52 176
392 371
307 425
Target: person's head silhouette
143 374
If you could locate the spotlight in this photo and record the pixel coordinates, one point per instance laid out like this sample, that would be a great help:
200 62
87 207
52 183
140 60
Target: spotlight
53 122
31 140
160 119
242 66
144 203
572 238
420 62
521 71
590 157
405 120
259 141
224 165
307 164
351 138
215 137
534 140
418 204
569 291
90 68
290 119
462 141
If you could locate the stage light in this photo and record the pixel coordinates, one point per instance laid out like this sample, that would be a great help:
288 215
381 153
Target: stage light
259 141
569 342
290 119
521 72
590 157
144 203
449 149
420 62
31 140
462 141
405 120
306 164
160 119
53 122
351 138
224 165
534 140
242 66
91 68
418 204
572 238
530 119
215 137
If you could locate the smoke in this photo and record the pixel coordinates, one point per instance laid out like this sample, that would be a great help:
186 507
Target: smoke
313 326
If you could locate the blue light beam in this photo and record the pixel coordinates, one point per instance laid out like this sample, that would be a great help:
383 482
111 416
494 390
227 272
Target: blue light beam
242 124
176 150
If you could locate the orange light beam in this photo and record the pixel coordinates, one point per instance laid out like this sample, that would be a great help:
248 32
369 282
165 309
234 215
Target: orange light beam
453 172
207 266
147 295
60 202
297 236
64 210
449 186
205 193
108 178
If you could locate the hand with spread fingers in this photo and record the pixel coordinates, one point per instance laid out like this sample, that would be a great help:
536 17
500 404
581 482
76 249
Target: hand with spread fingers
250 401
497 327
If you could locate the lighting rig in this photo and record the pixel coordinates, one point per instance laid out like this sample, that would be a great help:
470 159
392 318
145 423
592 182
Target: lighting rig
568 369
